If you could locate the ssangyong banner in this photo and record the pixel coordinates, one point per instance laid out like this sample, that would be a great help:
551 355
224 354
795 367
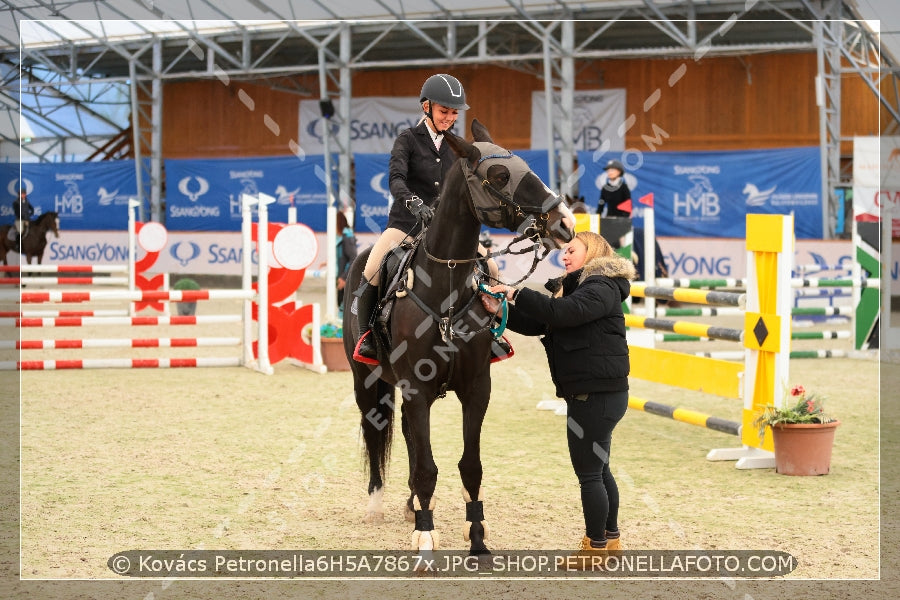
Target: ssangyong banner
89 195
708 194
373 194
220 253
374 124
205 195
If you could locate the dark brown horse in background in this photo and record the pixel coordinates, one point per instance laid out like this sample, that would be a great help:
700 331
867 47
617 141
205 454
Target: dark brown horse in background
34 239
439 333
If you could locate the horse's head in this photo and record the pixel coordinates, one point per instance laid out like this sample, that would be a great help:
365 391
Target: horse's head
507 194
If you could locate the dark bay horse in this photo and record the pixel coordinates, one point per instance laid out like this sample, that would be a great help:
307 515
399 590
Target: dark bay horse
34 240
440 337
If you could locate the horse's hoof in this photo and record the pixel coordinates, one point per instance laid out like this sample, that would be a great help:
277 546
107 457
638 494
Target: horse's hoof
374 518
425 541
409 515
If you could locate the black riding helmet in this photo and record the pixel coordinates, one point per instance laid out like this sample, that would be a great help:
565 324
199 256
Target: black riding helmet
614 164
445 90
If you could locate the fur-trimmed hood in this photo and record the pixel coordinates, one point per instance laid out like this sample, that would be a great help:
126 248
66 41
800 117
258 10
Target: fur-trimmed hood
609 266
615 267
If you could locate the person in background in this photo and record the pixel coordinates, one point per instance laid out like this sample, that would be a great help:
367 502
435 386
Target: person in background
23 211
583 332
615 191
418 164
346 254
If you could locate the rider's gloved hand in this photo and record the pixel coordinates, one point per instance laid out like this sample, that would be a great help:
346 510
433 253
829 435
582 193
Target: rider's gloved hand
422 211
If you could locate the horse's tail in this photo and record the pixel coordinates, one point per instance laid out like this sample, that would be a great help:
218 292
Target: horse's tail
377 424
386 395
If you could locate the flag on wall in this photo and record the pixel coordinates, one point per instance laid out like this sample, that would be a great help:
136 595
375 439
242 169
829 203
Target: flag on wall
876 178
598 118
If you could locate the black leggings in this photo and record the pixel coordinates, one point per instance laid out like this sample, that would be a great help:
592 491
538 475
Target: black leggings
589 426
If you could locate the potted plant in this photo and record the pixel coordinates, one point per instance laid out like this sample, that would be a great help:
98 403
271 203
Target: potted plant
186 308
802 433
331 336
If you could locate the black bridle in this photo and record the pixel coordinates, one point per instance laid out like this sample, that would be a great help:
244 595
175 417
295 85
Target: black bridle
511 214
494 208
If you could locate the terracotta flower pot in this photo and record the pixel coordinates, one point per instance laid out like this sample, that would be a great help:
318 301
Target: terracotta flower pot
803 448
333 355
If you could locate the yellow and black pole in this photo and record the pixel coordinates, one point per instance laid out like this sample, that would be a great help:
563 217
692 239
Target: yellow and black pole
767 337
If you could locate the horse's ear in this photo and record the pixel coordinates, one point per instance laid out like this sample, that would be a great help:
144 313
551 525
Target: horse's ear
480 132
462 148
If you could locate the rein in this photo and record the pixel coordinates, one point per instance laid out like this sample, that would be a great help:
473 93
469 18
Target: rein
509 211
504 308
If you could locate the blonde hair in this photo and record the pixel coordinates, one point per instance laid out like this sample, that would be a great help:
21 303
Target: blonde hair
596 246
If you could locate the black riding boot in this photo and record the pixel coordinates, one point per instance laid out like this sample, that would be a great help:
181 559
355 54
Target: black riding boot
365 306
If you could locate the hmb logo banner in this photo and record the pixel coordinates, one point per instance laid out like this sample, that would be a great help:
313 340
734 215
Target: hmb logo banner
91 195
709 194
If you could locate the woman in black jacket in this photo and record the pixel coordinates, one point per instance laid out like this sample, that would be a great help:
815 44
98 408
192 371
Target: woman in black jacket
583 329
614 194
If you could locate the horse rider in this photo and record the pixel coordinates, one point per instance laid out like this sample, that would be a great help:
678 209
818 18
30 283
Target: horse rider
418 164
23 211
615 191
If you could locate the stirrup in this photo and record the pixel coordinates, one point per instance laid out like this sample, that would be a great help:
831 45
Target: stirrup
359 357
504 346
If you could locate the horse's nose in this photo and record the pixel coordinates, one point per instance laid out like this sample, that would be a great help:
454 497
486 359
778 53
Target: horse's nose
569 223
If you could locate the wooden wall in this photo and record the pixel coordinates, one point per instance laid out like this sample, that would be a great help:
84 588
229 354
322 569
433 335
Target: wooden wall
756 101
210 119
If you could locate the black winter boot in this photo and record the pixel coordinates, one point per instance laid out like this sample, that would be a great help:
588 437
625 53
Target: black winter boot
366 350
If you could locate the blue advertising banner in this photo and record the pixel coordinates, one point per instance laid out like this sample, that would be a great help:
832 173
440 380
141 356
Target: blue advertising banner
86 196
537 161
708 194
205 195
373 194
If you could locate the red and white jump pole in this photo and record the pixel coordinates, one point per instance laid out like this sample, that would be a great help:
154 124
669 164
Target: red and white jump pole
246 294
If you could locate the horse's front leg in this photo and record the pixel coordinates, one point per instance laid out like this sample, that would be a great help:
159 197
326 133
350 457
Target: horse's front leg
423 474
409 511
474 402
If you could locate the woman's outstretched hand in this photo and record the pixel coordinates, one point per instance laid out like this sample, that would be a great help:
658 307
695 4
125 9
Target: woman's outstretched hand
492 304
